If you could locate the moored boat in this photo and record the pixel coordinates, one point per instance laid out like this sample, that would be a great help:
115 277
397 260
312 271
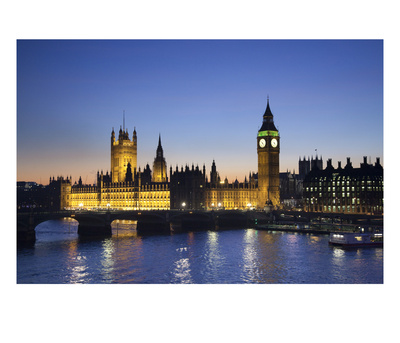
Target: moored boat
351 239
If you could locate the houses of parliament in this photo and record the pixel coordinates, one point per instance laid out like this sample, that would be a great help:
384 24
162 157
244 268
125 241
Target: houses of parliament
128 187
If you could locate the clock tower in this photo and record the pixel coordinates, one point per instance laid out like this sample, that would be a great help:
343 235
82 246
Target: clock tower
268 148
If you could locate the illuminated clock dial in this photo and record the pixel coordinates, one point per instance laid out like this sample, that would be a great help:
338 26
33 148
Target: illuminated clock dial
262 143
274 142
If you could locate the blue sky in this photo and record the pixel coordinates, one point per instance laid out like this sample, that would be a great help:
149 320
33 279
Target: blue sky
324 96
205 97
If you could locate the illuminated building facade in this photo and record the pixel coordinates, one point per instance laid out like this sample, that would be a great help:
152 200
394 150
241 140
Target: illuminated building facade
127 187
268 149
127 195
123 151
191 189
236 195
159 165
345 190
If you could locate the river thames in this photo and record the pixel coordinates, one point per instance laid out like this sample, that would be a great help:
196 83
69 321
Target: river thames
240 256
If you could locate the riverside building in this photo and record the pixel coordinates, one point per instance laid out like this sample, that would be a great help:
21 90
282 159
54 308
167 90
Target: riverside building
344 190
127 187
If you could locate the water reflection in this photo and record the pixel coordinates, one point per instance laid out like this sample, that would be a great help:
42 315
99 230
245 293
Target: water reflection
78 269
338 254
129 259
213 255
250 257
229 256
338 262
214 260
108 259
181 272
315 239
79 272
124 227
271 257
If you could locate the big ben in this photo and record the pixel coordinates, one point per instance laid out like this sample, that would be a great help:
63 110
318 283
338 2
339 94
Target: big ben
268 148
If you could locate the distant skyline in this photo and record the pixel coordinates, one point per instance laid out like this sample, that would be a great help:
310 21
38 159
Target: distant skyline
205 98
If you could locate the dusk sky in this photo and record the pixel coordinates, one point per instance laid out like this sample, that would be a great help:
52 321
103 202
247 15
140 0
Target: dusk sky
205 97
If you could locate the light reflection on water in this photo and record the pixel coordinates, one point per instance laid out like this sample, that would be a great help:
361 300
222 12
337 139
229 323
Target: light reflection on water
214 261
107 259
181 272
250 257
231 256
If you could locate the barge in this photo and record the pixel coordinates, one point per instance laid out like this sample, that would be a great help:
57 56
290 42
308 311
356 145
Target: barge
350 239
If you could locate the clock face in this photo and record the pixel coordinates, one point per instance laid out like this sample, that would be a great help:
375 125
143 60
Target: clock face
262 143
274 142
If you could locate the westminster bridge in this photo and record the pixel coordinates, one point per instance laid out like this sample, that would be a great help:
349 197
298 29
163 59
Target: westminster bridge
98 223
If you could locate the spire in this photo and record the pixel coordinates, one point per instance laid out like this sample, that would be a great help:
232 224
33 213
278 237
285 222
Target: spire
159 148
268 110
268 120
112 136
134 137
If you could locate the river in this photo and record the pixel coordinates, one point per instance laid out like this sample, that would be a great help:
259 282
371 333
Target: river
239 256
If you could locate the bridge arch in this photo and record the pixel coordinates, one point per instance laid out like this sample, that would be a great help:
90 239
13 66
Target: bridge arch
57 228
27 224
125 227
64 220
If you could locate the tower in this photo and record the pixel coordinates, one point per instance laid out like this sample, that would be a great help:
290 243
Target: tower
159 165
304 167
316 163
214 175
123 151
268 149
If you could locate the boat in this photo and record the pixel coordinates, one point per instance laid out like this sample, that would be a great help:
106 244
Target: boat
353 239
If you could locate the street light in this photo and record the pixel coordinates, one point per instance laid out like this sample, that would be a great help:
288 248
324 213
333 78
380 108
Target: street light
183 205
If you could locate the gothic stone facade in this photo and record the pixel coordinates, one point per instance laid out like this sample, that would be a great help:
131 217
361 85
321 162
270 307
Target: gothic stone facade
126 187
